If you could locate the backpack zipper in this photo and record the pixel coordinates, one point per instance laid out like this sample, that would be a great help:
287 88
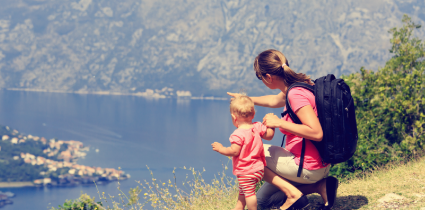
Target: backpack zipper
346 108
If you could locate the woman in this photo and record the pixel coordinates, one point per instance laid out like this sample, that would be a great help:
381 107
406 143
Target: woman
283 188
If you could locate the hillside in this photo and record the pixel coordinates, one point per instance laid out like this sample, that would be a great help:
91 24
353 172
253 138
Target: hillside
205 47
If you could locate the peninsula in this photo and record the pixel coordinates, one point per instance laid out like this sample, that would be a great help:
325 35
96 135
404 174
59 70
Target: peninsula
27 160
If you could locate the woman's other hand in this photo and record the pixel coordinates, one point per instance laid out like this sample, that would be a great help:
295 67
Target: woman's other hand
271 120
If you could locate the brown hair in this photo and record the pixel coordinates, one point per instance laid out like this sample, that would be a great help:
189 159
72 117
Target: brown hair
242 106
271 62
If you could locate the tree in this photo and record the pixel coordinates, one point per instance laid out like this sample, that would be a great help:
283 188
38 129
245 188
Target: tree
390 104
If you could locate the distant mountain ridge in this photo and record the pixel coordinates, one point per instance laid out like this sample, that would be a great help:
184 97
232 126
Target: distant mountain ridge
205 47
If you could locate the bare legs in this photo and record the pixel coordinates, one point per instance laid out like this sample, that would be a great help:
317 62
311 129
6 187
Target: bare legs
240 205
292 193
250 202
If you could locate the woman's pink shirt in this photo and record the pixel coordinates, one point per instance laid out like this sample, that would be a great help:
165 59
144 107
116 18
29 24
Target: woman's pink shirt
299 97
251 157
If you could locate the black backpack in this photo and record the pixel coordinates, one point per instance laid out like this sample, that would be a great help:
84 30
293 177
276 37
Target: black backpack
335 109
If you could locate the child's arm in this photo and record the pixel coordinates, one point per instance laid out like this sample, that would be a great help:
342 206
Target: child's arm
233 150
268 135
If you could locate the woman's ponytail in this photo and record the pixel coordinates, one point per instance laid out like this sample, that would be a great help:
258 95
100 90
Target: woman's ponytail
274 62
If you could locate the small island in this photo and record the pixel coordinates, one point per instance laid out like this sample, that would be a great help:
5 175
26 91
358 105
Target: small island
32 161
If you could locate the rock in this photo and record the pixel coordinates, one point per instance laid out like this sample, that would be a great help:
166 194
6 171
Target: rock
419 195
390 197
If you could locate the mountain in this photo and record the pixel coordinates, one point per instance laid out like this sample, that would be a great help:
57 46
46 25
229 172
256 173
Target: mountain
206 47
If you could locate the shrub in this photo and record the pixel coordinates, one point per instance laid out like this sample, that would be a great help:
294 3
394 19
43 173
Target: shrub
84 202
390 104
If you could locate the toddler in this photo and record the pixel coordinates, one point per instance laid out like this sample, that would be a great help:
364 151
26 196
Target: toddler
246 149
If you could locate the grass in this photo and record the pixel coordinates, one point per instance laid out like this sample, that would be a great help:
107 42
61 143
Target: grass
364 191
361 192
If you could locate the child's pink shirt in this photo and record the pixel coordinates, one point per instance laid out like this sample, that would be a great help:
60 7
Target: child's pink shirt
251 157
299 97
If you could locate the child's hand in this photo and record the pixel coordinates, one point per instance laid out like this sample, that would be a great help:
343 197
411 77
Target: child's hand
271 120
216 146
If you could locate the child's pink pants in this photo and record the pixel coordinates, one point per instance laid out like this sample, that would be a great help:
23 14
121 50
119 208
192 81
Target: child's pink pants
247 183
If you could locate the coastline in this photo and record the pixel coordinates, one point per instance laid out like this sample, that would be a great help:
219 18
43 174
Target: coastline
16 184
61 170
147 94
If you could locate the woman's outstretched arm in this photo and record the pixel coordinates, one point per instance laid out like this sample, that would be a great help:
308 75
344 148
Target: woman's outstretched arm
271 101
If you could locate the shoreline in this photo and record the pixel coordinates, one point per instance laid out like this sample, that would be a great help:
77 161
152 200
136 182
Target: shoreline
16 184
139 94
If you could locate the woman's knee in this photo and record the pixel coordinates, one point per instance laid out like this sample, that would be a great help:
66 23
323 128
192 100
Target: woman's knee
270 196
275 200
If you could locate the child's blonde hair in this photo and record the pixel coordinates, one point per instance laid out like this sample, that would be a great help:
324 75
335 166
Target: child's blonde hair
242 106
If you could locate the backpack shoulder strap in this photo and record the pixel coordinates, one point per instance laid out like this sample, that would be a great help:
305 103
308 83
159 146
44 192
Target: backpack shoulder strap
289 109
296 120
301 166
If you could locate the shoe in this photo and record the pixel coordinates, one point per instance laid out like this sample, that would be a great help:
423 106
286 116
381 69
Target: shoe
331 189
301 203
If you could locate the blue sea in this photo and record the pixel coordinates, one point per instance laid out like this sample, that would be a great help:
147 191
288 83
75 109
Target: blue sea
129 132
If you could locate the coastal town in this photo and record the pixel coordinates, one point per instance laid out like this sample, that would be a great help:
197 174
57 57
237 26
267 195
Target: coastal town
50 163
61 161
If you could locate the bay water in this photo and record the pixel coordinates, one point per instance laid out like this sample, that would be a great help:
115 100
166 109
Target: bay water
129 132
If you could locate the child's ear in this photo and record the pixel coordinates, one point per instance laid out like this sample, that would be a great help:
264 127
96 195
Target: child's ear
253 115
233 117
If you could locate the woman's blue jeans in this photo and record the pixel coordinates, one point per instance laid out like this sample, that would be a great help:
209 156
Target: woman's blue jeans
269 196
